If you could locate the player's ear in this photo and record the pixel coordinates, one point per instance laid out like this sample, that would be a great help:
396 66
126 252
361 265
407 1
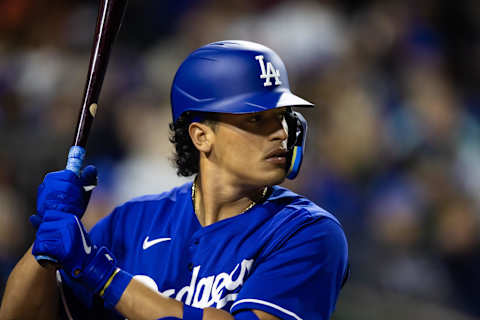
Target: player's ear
202 136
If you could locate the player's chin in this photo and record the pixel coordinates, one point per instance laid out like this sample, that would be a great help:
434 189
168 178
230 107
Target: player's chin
274 175
277 180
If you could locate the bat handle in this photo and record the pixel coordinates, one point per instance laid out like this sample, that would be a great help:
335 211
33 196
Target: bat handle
74 164
75 159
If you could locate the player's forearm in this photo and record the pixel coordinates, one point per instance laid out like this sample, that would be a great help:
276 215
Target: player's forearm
31 292
138 302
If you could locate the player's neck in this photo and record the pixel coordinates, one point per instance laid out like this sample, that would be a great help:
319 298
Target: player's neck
217 198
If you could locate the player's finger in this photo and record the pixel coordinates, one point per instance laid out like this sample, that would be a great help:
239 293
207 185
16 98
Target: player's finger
89 177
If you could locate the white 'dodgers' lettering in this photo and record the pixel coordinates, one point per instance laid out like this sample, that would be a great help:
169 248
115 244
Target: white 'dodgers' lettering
212 290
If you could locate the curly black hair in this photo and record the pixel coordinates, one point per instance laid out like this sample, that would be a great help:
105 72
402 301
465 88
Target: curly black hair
186 156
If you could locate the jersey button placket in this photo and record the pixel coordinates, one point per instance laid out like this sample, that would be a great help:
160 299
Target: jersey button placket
193 246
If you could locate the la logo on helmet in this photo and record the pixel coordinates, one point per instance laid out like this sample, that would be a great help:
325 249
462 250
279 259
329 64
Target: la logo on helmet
269 73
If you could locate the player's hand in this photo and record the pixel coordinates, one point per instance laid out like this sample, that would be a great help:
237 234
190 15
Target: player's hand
62 236
65 191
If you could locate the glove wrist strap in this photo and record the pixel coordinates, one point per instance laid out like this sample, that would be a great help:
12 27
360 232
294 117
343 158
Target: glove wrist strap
109 281
99 270
113 292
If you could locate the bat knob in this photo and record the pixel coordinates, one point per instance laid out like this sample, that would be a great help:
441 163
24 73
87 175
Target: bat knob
47 262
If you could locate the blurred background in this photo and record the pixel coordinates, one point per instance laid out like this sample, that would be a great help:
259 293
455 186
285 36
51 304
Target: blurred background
393 147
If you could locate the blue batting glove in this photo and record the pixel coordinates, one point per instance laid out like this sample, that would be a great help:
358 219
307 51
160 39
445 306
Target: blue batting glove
62 236
65 191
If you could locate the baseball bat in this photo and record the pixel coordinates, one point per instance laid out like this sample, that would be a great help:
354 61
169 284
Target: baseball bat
110 15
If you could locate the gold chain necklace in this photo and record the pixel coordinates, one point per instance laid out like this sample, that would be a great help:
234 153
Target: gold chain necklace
250 206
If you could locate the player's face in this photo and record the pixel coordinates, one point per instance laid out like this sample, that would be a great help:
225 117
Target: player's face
252 146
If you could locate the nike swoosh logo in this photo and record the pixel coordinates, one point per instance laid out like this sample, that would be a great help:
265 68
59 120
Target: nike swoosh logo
148 243
86 247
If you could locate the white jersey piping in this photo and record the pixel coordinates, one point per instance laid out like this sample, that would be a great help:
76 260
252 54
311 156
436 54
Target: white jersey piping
269 304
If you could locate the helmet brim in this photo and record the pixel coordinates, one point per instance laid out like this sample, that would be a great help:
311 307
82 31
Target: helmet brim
256 102
276 99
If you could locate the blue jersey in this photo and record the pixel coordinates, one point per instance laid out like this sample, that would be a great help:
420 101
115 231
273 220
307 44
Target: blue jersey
285 256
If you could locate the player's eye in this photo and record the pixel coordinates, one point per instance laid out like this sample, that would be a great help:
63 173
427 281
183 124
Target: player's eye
254 118
281 115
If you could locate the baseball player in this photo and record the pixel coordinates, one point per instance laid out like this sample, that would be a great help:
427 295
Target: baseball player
229 245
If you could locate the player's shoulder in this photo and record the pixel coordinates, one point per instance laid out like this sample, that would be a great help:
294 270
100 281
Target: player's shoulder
297 220
294 206
293 212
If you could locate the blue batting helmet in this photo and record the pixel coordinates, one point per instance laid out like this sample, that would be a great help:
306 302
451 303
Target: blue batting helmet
232 77
239 77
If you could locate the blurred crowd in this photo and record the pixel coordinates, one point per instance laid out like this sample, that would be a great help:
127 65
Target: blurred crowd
393 146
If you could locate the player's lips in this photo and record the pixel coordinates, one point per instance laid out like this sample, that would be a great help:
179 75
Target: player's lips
277 156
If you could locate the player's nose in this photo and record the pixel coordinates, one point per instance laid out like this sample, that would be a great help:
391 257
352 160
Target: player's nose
279 130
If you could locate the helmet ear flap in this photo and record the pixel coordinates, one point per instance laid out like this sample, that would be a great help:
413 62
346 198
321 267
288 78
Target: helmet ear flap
292 123
297 135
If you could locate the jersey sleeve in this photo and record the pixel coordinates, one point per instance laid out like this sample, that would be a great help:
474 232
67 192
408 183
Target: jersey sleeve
302 278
